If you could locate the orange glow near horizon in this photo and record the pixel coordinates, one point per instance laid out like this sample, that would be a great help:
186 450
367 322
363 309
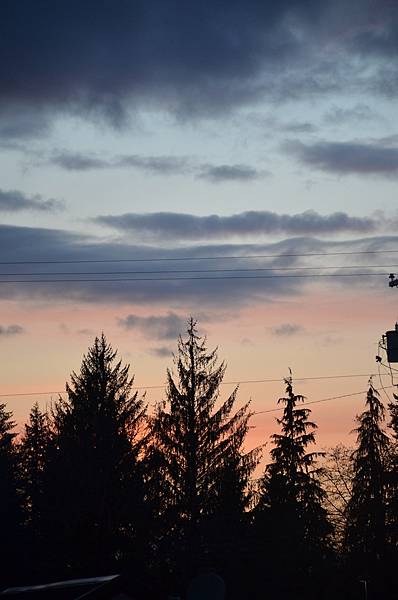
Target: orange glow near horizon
334 334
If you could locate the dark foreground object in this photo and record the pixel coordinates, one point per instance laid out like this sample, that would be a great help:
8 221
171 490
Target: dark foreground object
107 588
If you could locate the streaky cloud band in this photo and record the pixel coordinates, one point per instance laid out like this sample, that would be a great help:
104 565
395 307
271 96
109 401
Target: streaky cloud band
180 226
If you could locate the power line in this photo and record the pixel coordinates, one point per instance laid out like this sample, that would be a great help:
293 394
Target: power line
204 278
260 412
238 382
187 258
278 409
168 271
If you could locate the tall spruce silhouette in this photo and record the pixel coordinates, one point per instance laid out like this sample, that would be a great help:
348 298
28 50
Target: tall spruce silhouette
95 477
10 509
205 469
366 524
34 448
290 513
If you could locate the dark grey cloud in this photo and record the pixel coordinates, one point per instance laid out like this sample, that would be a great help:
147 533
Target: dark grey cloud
157 165
22 124
180 226
298 127
287 329
380 38
182 55
10 330
222 173
162 165
170 285
12 201
78 162
161 327
271 123
161 352
95 58
346 158
37 244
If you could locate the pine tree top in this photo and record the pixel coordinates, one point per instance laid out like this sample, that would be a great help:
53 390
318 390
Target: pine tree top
297 432
372 441
6 423
198 439
103 389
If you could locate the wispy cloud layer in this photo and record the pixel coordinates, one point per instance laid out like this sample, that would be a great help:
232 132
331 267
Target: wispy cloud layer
162 165
157 165
20 124
177 277
161 352
221 173
73 161
160 327
179 226
287 329
360 112
13 201
346 158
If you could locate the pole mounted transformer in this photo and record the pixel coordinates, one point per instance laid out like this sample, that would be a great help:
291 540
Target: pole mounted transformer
392 336
392 345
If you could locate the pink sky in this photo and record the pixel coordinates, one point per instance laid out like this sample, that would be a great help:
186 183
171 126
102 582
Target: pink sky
337 333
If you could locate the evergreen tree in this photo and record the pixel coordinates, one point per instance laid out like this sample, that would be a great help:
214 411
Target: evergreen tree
290 514
205 469
95 479
366 526
10 511
33 452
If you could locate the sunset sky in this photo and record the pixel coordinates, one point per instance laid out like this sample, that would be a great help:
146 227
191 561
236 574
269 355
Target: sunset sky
198 131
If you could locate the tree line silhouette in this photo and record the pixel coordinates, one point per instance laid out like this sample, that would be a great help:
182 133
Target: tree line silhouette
97 485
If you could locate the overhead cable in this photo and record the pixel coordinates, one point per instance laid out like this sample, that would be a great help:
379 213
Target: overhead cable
168 271
191 278
260 412
187 258
237 382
